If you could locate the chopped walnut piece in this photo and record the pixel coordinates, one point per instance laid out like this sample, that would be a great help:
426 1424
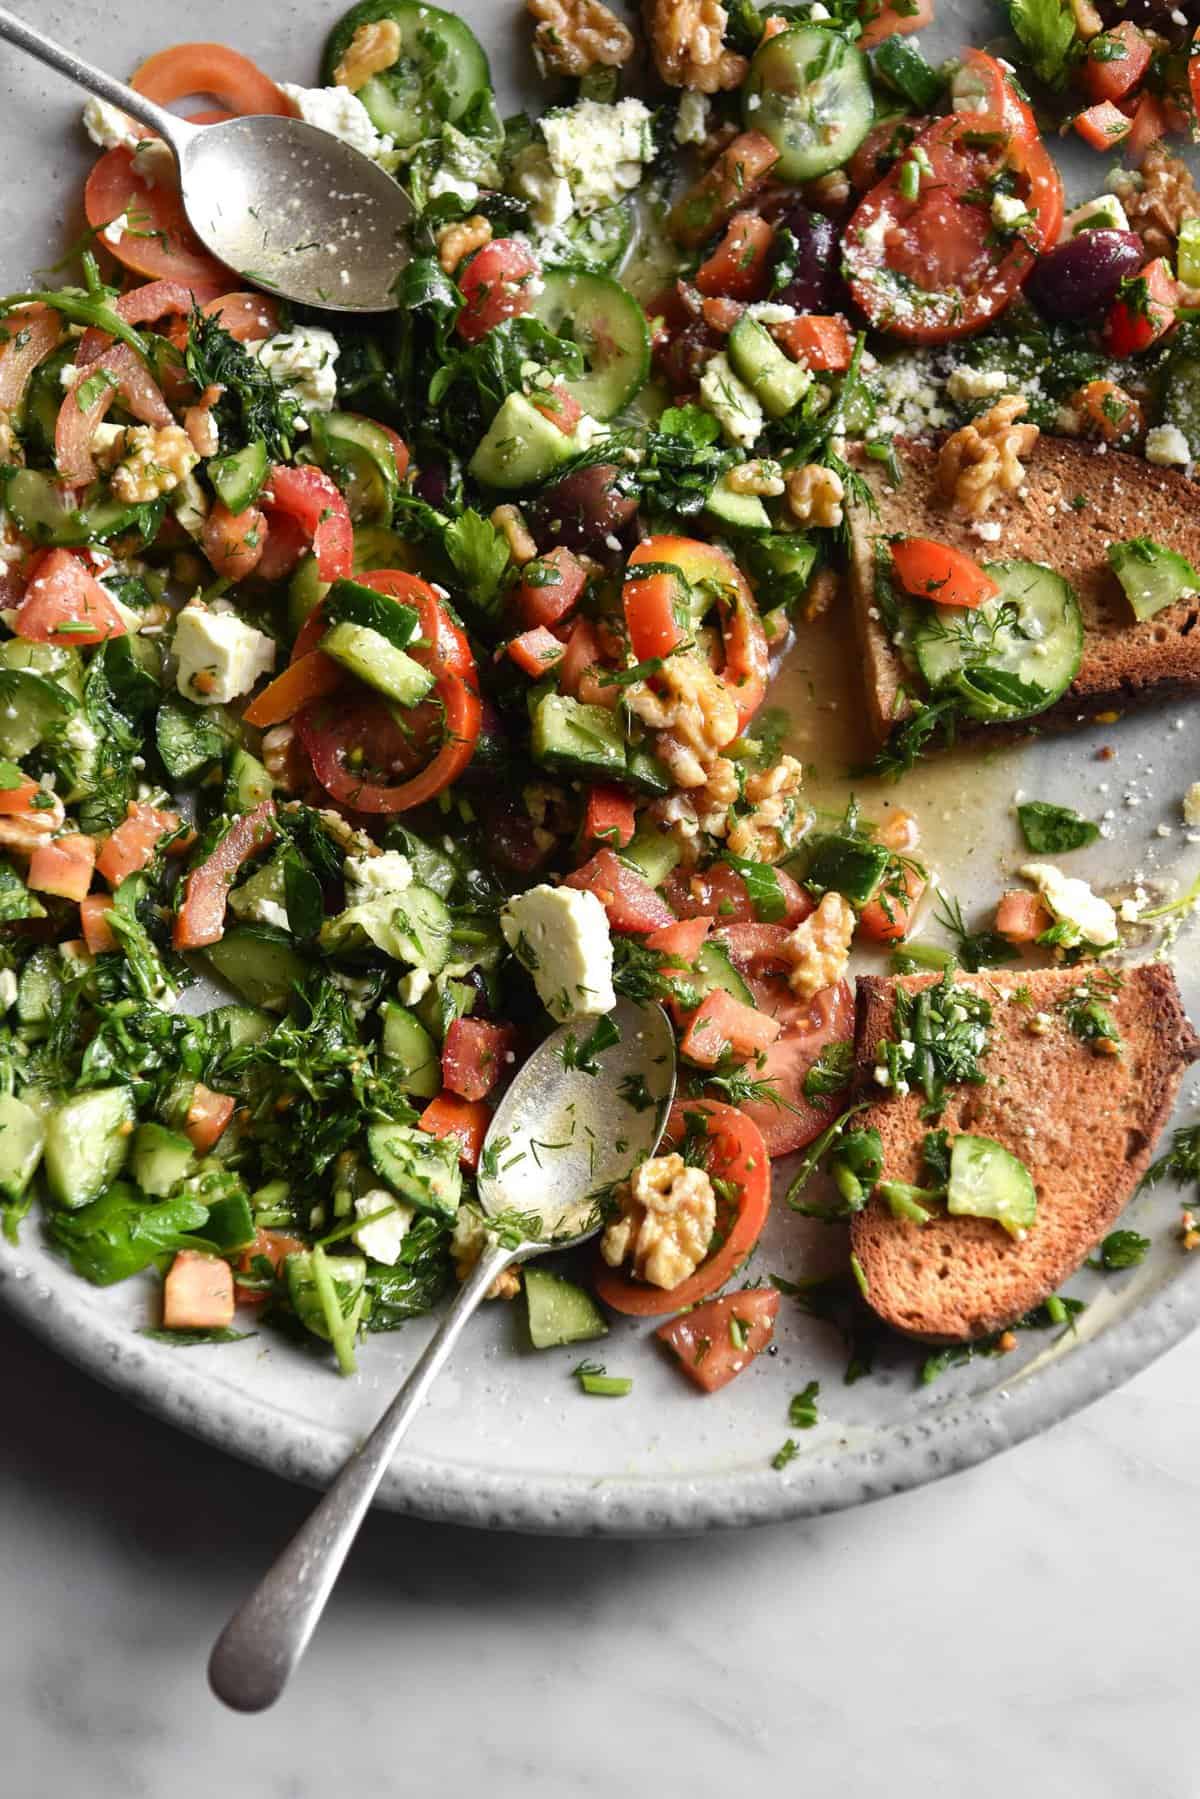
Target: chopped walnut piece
769 830
373 48
573 36
819 947
456 242
761 476
1157 199
668 1215
982 462
155 462
1088 22
819 595
686 38
510 522
696 708
815 495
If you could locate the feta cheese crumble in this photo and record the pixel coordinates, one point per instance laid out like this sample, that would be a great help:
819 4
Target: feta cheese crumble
369 876
384 1239
220 657
343 115
1167 446
304 360
731 402
1073 902
561 935
691 121
599 150
109 128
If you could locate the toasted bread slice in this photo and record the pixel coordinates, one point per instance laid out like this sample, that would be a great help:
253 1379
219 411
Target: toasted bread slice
1126 661
1083 1124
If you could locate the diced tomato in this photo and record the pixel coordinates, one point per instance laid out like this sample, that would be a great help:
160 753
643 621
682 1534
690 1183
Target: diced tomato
739 267
935 571
124 377
582 655
889 918
1021 916
201 918
681 941
475 1056
737 172
184 71
733 1154
207 1116
308 496
64 867
609 816
723 1026
272 1246
467 1119
536 652
892 21
64 604
822 341
720 891
33 803
1102 126
27 337
497 284
233 542
134 841
1115 62
285 545
198 1293
628 898
311 678
656 611
1110 412
549 587
721 314
559 406
97 934
715 1342
1152 119
1145 310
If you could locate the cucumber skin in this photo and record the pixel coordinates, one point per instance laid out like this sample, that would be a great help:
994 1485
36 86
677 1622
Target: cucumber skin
88 1139
566 293
560 1312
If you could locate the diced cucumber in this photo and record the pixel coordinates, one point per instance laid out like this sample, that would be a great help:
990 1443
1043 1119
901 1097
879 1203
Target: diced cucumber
653 854
1011 657
306 590
265 884
777 382
1153 576
30 706
988 1181
713 969
39 990
347 1275
440 74
419 1168
598 241
37 505
413 926
520 447
242 1025
43 400
560 1312
259 963
160 1158
431 866
230 1223
645 772
408 1044
742 511
1188 260
809 91
576 738
239 477
780 567
16 901
851 866
22 1140
358 454
446 1000
88 1139
355 604
54 662
191 738
377 662
606 323
247 784
905 70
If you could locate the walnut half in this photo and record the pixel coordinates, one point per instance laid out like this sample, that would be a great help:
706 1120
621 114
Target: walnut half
687 38
573 36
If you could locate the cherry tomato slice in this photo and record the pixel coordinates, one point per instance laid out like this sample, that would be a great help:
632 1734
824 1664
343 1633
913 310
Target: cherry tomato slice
496 285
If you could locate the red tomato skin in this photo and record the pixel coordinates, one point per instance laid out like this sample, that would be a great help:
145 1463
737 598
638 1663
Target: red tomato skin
720 891
1130 328
738 267
891 922
62 592
495 286
201 917
451 1116
535 652
721 1026
549 587
609 816
476 1056
1112 77
166 246
317 505
702 1341
632 904
935 571
133 843
30 336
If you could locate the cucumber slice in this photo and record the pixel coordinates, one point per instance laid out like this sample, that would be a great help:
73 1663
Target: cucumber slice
306 590
239 477
160 1158
191 738
988 1181
809 91
851 866
242 1024
37 506
39 991
560 1312
247 784
16 901
88 1139
740 511
359 457
575 738
445 1001
608 326
520 447
259 963
1011 657
29 706
22 1140
715 970
408 1044
419 1168
441 72
346 1274
652 854
44 398
379 663
358 605
1152 575
776 381
413 927
598 242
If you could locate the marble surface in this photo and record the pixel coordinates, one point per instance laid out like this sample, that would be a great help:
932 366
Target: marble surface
1029 1625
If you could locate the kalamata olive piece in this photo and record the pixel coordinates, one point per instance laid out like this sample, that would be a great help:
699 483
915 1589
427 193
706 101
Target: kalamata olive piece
581 510
1080 278
807 260
1156 15
432 483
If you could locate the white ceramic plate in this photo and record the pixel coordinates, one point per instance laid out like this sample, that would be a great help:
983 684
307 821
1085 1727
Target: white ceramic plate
507 1440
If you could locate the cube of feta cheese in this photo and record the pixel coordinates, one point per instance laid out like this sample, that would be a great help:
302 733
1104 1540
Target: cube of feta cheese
1166 445
268 911
548 194
343 115
390 872
691 121
560 934
445 182
220 657
1007 210
8 990
599 150
303 359
1073 902
384 1239
731 402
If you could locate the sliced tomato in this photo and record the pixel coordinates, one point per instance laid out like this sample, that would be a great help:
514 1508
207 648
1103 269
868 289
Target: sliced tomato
1021 916
497 284
631 903
892 21
118 373
63 867
714 1343
822 341
317 505
207 1115
889 918
739 267
734 1154
132 845
185 71
681 941
721 892
609 816
146 304
64 604
246 316
233 541
808 1026
27 337
549 587
1144 312
158 240
1152 118
93 918
467 1119
536 652
659 615
272 1246
285 545
722 1026
582 664
935 571
476 1056
28 801
201 917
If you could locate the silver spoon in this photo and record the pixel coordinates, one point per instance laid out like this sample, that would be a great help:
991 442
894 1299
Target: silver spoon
559 1137
291 208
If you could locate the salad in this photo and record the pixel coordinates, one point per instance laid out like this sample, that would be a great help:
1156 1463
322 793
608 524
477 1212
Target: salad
408 680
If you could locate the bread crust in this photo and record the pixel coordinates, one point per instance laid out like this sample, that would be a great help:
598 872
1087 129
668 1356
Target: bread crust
1085 1126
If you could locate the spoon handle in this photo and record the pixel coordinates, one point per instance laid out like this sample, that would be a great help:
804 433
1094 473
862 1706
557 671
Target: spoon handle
263 1641
27 37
